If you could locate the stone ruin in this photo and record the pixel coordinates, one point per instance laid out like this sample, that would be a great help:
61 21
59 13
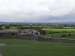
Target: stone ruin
17 35
29 36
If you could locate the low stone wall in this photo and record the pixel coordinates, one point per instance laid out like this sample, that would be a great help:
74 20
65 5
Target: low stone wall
16 35
58 40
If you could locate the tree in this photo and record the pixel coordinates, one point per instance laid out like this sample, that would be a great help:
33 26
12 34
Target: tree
1 28
42 32
7 27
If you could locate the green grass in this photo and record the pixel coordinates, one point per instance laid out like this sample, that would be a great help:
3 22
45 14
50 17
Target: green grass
60 29
36 48
61 32
37 51
12 28
68 27
32 42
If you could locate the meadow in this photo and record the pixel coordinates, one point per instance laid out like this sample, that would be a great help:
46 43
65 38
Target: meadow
11 28
17 47
57 33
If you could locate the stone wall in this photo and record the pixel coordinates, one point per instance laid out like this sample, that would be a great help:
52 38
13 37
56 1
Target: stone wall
58 40
16 35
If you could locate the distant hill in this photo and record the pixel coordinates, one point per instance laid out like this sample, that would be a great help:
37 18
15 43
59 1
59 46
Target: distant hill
65 23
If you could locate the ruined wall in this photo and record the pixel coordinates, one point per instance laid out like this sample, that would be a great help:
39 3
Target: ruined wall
58 40
16 35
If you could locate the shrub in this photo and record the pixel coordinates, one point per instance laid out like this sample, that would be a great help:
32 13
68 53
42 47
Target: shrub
69 34
42 32
52 36
7 27
36 33
63 35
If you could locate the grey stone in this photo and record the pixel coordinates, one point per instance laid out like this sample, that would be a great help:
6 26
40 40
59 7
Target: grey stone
1 54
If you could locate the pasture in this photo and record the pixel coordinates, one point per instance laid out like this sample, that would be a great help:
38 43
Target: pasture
17 47
11 28
57 33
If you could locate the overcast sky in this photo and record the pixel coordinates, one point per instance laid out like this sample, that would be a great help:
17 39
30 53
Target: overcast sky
37 10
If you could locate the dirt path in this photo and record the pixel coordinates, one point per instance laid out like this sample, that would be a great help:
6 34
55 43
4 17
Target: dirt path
1 54
2 44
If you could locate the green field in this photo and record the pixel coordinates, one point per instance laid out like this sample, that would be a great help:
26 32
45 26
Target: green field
56 33
36 48
12 28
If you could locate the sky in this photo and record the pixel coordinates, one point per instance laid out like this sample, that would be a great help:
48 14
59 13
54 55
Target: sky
44 11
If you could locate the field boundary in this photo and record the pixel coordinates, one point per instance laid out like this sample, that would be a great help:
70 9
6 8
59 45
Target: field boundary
64 40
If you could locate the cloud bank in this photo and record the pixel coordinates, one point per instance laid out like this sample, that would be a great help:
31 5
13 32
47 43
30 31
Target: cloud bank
37 10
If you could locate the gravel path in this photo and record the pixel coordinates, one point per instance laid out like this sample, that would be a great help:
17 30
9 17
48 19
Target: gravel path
2 44
1 54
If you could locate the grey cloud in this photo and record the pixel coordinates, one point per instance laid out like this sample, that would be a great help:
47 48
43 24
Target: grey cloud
37 10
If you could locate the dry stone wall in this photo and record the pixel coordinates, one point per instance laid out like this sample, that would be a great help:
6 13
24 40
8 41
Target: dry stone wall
58 40
16 35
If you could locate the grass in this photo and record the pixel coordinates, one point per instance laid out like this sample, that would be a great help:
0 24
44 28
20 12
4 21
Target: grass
60 29
32 42
12 28
36 48
56 33
37 51
68 27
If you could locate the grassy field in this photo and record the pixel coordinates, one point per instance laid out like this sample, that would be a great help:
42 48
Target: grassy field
12 28
57 33
36 48
60 29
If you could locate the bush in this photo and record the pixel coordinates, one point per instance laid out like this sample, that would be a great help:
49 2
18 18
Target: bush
7 27
65 31
50 32
1 28
69 34
63 35
36 33
42 32
52 36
